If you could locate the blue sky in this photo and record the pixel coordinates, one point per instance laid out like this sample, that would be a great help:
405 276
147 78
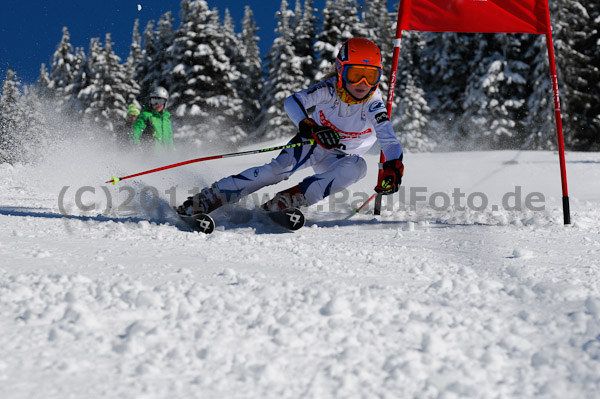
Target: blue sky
30 30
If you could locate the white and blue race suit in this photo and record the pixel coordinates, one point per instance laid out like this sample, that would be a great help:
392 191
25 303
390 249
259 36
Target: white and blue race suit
359 126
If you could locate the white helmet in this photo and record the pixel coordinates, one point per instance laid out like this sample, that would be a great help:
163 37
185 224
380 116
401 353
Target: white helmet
160 92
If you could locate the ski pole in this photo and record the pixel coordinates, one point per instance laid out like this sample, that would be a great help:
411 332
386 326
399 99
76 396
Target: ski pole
357 210
115 180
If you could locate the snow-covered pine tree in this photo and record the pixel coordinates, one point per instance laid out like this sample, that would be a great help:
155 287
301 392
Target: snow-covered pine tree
202 87
231 45
494 105
295 20
592 48
35 138
165 36
340 22
540 118
410 114
157 60
445 69
517 86
164 39
304 27
284 78
149 51
62 69
411 118
87 97
327 41
473 120
109 91
578 76
43 82
381 30
75 107
132 65
230 42
251 81
136 56
11 119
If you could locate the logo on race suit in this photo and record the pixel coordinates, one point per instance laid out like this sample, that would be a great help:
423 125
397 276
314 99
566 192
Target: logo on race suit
381 117
376 105
343 135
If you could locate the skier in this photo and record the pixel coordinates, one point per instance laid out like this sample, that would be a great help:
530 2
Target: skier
132 114
153 123
123 126
348 118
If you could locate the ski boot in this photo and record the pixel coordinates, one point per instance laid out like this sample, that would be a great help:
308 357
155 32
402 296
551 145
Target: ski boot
205 202
290 198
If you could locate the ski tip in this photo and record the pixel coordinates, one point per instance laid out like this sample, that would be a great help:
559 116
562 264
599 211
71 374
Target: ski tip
200 222
290 218
205 223
296 219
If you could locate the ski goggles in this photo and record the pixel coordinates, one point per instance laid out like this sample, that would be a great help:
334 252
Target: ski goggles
355 74
157 101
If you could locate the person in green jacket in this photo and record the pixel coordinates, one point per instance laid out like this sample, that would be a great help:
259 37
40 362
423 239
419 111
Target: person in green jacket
153 123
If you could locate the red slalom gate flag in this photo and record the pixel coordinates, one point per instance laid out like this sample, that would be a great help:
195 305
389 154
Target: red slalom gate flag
485 16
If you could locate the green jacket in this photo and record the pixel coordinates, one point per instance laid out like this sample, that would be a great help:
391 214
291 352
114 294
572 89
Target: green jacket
153 125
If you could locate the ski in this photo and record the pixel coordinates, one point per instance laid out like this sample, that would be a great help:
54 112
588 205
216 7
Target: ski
200 222
291 218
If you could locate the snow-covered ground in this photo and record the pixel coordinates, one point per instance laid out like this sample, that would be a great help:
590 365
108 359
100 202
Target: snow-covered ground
415 303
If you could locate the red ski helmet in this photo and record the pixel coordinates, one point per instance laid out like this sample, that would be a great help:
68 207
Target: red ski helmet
358 60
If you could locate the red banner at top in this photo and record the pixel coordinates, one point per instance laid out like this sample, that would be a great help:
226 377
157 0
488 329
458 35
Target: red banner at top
485 16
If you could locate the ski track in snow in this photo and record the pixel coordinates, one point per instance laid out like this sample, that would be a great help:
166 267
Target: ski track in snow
411 304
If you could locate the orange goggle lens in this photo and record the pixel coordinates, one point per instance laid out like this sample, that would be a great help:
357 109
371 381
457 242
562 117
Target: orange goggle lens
355 74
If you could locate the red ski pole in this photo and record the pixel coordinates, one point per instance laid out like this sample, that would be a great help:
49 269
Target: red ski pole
357 210
115 180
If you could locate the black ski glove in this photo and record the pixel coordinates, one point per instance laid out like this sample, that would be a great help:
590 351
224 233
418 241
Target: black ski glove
325 136
390 177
